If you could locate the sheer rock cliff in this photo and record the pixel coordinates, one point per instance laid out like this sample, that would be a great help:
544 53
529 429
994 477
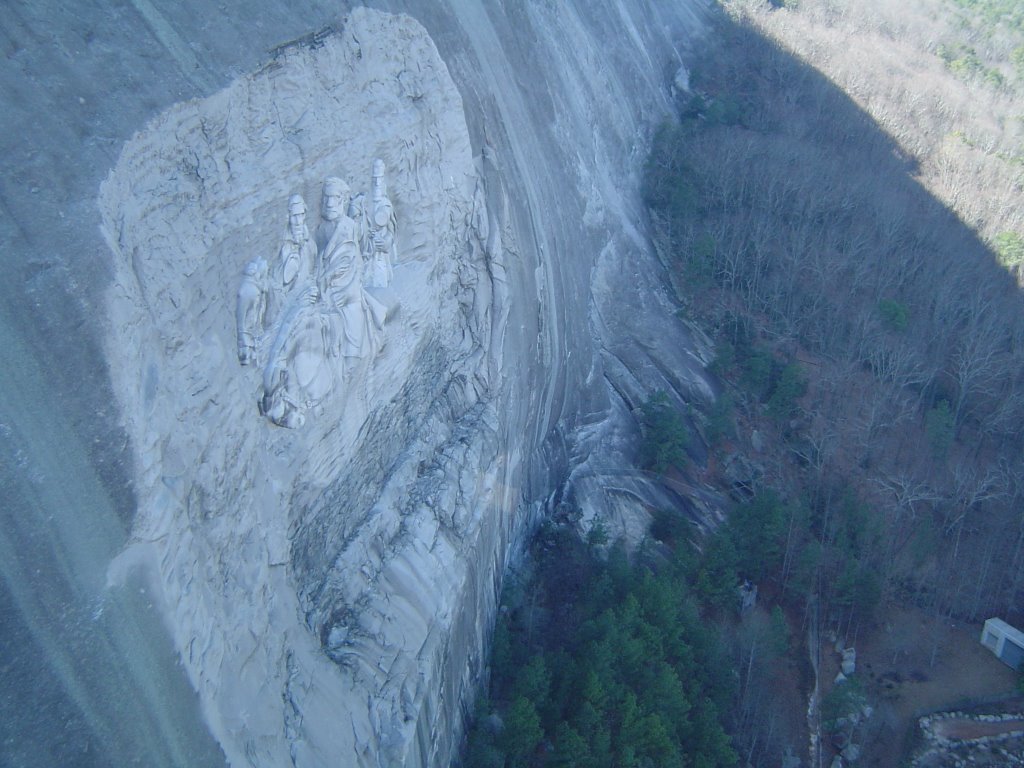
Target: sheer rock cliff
330 588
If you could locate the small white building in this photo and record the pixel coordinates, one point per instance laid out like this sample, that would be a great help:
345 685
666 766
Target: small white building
1004 641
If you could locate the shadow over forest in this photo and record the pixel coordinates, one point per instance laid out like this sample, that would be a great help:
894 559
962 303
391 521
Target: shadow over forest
795 227
870 340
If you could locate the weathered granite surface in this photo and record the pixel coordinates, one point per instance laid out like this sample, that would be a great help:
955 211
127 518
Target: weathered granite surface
329 588
310 569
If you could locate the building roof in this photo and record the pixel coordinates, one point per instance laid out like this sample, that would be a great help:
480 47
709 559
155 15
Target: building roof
1007 630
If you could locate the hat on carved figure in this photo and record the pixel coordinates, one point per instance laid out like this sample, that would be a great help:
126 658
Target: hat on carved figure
296 204
335 184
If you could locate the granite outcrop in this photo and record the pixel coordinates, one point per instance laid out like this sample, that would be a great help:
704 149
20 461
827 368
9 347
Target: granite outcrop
329 511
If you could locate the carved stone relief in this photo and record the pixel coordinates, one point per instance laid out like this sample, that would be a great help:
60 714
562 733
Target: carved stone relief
309 321
196 196
296 264
379 245
251 310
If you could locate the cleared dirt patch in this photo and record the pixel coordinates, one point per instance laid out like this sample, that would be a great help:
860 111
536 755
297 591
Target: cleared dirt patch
912 663
973 729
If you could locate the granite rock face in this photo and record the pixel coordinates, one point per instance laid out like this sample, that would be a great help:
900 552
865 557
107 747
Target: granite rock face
309 569
330 587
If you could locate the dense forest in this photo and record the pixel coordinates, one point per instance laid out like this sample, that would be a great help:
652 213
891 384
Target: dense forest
836 203
600 663
878 337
